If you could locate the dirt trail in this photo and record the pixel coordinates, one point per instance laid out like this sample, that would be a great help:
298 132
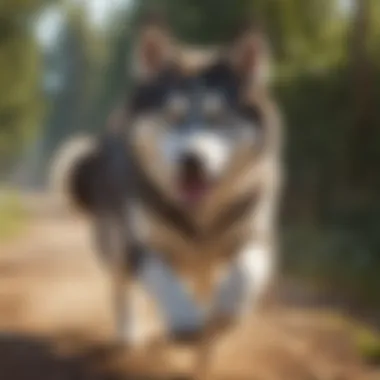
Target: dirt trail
56 323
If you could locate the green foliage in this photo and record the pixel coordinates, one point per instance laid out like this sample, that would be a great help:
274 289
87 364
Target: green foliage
367 342
115 79
20 69
339 260
95 49
299 30
94 80
17 8
203 21
72 108
365 338
373 40
12 215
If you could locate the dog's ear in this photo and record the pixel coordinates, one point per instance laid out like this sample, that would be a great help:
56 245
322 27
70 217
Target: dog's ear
249 55
154 48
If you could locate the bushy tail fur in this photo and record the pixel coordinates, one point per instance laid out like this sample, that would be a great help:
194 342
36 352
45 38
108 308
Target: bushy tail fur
72 172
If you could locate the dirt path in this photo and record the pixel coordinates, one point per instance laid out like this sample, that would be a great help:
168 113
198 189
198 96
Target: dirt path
55 323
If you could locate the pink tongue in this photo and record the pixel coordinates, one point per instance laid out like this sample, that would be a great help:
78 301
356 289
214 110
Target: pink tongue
193 192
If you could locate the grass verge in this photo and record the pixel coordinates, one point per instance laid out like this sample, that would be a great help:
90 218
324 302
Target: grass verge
13 217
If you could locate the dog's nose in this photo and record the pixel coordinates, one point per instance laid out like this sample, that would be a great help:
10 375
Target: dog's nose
191 163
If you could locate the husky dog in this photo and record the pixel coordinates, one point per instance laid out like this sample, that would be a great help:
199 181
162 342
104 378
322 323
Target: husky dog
184 196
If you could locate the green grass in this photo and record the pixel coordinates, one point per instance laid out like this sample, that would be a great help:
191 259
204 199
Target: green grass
367 342
365 338
12 215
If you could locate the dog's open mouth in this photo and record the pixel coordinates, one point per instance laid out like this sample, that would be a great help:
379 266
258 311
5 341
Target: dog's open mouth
193 188
193 183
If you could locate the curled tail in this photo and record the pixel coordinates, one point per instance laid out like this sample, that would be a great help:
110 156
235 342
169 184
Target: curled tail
73 173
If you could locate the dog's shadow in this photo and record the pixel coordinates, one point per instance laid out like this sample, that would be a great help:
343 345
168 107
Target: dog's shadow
27 358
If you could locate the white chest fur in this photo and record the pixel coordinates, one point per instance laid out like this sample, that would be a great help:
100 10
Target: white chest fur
175 290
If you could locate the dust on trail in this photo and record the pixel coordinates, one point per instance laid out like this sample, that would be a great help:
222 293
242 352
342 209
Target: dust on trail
56 322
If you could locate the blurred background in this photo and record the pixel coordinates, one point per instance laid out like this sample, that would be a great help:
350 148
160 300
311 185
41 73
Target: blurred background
64 64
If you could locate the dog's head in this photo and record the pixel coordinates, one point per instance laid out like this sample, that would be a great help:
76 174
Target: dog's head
193 127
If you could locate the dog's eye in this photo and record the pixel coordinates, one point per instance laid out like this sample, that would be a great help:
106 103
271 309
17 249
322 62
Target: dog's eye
213 107
176 108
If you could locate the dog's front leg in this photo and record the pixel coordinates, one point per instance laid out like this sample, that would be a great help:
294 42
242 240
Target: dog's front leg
129 299
246 281
242 287
120 282
111 247
122 255
179 312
